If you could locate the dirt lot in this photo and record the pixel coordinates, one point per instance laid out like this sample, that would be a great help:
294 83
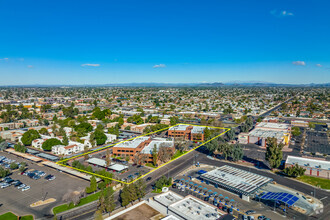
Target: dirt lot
142 212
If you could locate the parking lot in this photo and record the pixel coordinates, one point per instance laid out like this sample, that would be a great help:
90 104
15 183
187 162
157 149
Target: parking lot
317 142
18 201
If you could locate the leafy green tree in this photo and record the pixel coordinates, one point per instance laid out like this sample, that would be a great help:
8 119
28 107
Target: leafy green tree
4 172
43 131
13 166
274 154
49 143
174 120
230 134
93 185
125 196
294 171
65 140
132 192
20 148
154 155
311 125
84 128
106 200
207 133
120 122
140 188
237 153
22 168
99 137
29 136
113 130
295 131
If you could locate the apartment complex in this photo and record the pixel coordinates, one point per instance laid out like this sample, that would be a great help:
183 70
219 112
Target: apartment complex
188 132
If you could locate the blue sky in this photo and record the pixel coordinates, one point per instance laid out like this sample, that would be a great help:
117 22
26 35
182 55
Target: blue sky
97 42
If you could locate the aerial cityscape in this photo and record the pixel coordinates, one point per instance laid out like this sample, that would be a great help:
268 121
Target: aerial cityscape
164 110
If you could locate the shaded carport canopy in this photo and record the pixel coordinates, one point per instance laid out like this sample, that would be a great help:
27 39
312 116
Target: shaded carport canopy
287 198
236 180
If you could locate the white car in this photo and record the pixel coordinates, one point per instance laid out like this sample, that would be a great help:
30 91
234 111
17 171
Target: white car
21 186
4 185
26 188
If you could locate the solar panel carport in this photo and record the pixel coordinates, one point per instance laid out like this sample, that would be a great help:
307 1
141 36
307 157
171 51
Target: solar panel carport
287 198
236 180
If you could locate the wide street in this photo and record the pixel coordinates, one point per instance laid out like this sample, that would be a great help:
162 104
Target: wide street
175 167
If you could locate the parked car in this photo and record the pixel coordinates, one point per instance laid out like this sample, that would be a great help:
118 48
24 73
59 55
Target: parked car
250 217
21 186
26 188
261 217
4 185
18 183
250 212
50 177
148 179
36 177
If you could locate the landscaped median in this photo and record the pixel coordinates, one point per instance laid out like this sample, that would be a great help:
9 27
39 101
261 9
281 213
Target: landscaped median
83 201
12 216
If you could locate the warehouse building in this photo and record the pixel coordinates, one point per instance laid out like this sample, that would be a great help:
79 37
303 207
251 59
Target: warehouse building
319 168
264 130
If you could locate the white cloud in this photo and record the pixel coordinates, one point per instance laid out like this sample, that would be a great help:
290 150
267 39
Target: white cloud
299 63
30 66
91 64
285 13
159 66
4 59
281 13
318 65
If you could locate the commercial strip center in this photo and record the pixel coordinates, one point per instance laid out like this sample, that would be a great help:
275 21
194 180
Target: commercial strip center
144 144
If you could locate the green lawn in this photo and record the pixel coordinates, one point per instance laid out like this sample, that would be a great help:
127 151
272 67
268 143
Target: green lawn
315 181
178 154
8 216
83 201
26 217
150 165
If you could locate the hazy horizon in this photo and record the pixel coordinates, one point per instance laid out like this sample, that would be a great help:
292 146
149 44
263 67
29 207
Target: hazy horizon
105 42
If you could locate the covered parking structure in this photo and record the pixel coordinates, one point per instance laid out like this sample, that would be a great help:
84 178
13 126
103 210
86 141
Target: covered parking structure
236 180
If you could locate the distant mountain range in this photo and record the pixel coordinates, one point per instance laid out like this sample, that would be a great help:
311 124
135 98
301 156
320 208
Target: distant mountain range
213 85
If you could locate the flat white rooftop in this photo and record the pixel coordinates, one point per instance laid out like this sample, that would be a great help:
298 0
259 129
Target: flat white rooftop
270 125
97 161
263 133
179 128
191 208
312 163
168 198
157 143
133 143
118 167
